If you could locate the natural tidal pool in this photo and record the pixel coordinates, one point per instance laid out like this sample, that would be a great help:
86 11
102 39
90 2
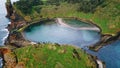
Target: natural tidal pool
56 33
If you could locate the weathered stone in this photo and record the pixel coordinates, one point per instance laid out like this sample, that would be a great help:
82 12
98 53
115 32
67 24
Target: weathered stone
9 57
9 8
105 40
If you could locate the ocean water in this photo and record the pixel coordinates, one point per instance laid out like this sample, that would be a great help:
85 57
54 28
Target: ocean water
55 33
3 22
110 54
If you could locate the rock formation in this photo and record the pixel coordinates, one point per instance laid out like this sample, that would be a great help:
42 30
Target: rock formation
9 58
9 8
16 23
105 40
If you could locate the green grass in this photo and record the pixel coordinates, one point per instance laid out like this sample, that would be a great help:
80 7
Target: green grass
107 25
108 17
53 56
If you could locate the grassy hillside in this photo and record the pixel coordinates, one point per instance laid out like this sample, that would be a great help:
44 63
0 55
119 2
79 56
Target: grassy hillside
53 56
106 14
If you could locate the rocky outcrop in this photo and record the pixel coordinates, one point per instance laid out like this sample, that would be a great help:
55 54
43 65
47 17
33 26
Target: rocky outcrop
105 40
15 37
10 60
99 63
9 8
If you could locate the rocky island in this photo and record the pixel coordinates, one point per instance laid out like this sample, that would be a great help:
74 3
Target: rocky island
23 53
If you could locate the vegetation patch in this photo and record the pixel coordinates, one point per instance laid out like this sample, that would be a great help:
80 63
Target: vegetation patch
104 13
53 56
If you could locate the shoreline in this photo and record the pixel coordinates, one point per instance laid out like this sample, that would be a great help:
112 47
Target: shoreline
29 42
61 22
5 37
17 37
16 41
104 41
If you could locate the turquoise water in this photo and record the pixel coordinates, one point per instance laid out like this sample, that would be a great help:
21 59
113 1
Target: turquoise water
56 33
77 23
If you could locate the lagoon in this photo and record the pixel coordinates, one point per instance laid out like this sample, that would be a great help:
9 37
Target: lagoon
56 33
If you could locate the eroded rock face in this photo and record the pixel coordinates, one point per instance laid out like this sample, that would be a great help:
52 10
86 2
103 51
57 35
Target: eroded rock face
16 23
9 8
105 40
9 58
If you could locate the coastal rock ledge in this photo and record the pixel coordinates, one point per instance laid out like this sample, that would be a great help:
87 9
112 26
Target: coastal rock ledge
105 40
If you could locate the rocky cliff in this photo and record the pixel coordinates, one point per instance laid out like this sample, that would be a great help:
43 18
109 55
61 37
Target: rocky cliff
9 8
105 40
15 37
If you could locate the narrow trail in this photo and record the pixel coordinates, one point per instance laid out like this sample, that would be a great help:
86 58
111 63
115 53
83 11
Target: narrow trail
61 22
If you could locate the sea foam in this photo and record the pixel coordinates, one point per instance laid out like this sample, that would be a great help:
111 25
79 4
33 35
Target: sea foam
5 37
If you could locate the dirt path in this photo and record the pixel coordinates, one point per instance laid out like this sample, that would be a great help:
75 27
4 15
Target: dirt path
61 22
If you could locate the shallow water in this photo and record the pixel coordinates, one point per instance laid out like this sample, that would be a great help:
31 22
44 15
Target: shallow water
77 23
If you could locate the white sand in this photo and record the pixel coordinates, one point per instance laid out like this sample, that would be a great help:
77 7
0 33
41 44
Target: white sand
61 22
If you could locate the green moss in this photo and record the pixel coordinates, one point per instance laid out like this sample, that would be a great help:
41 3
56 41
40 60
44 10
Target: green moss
53 56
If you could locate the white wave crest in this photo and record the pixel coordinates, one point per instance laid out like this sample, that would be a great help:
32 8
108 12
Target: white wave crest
5 30
5 37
